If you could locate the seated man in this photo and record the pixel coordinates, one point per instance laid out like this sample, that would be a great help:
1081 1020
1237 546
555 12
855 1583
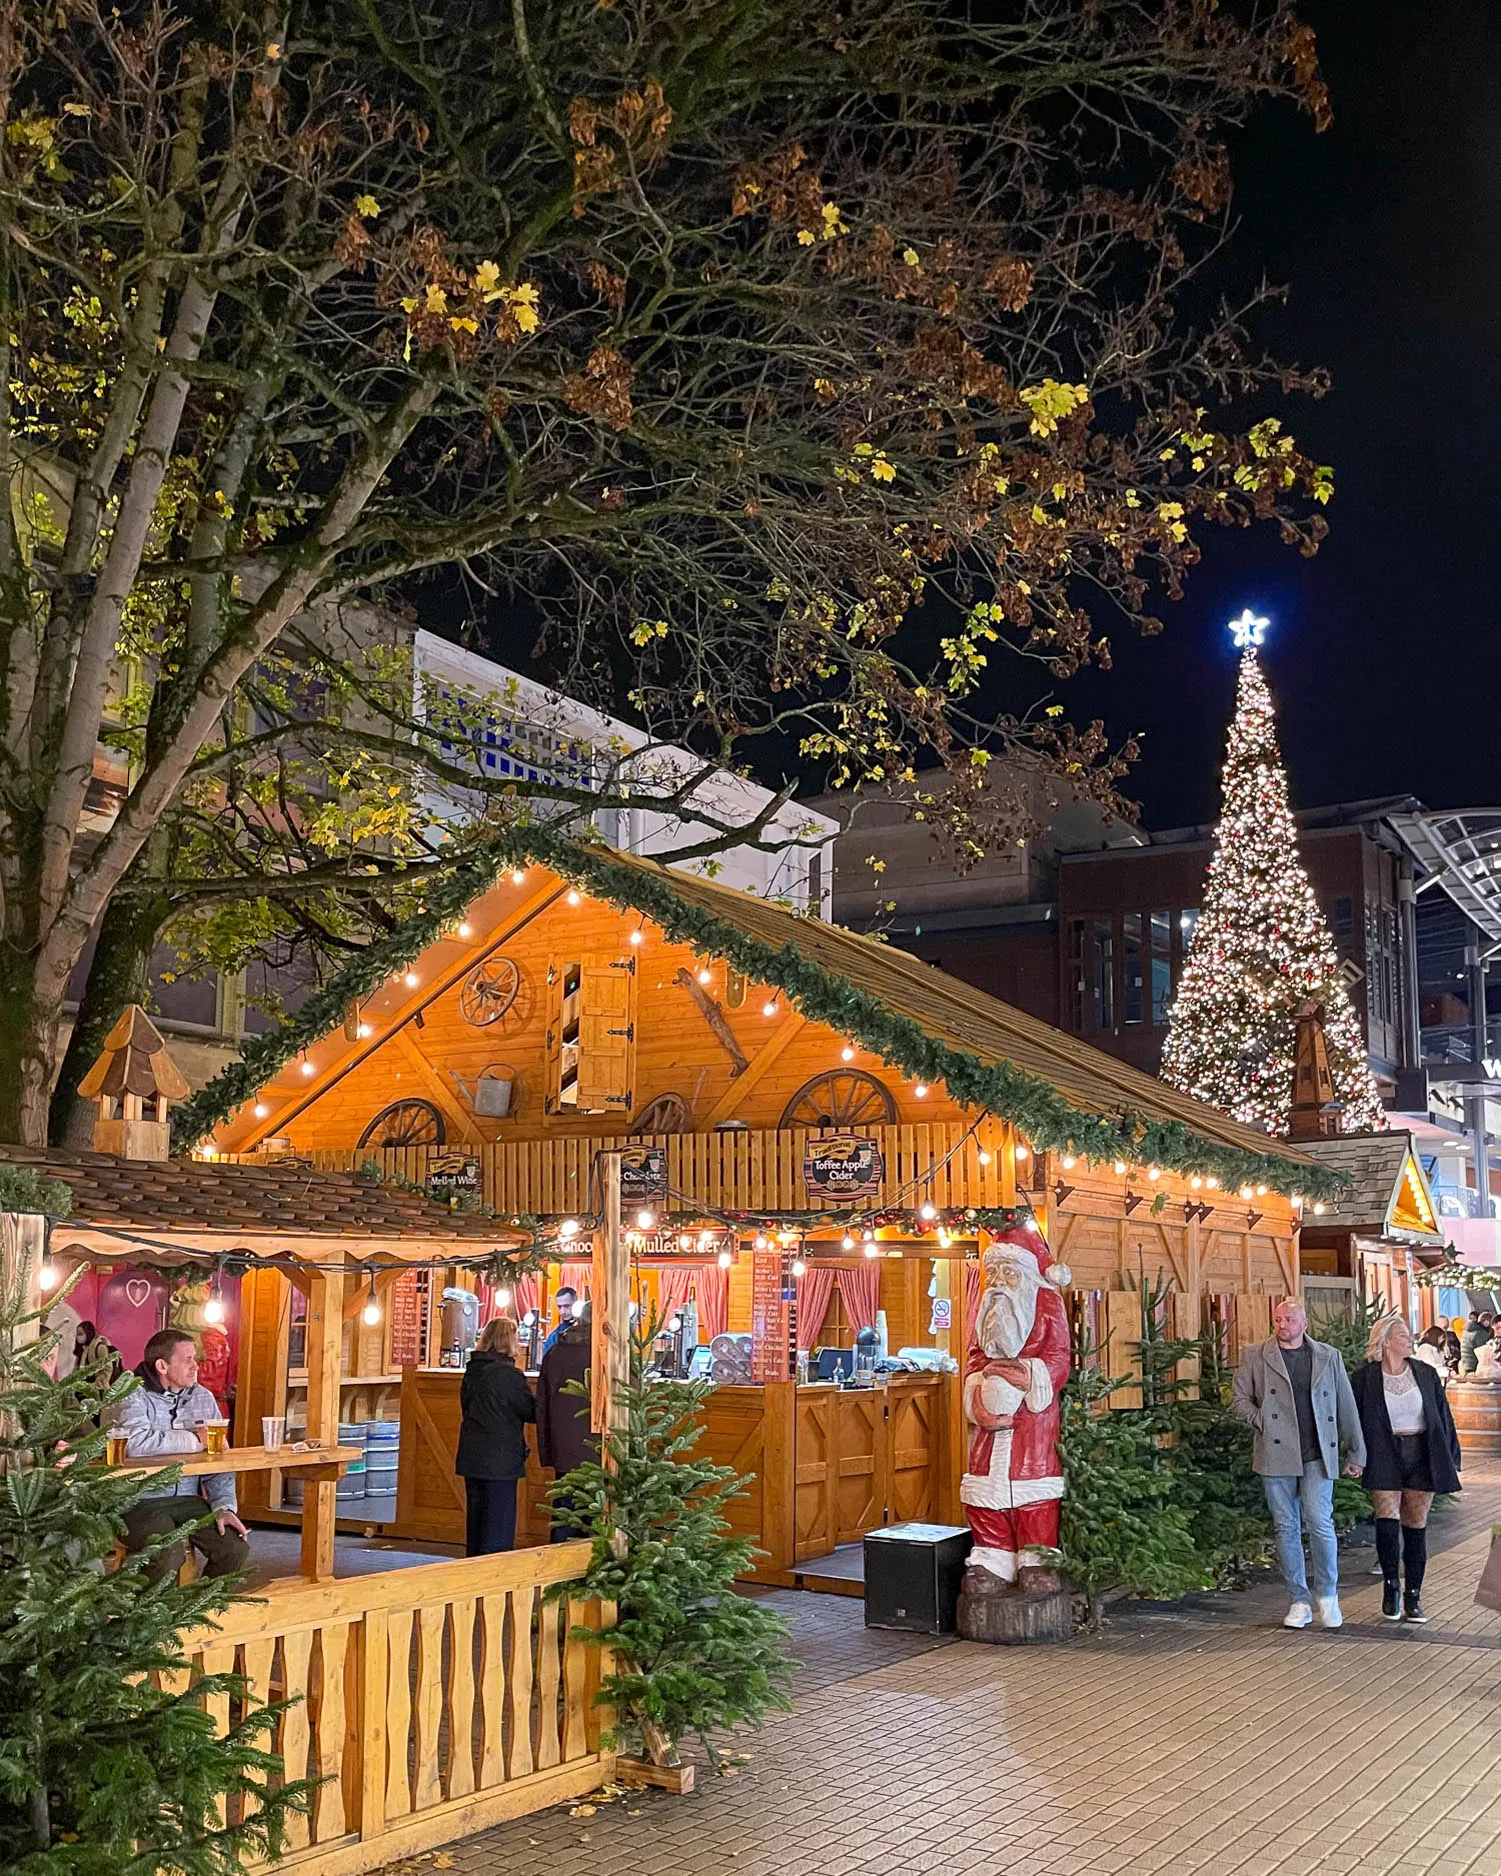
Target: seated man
162 1416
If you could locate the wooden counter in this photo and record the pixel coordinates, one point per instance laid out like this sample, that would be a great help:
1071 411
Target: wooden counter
430 1497
245 1459
826 1464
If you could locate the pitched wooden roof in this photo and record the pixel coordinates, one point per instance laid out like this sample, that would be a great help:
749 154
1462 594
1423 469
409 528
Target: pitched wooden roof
277 1198
135 1061
1387 1196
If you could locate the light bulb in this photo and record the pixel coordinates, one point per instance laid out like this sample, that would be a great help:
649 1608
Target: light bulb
46 1277
517 877
724 1260
799 1268
213 1310
210 1152
984 1157
769 1008
1196 1182
928 1212
1120 1168
1023 1152
569 1228
706 977
1261 1192
573 898
1245 1192
503 1299
846 1054
260 1110
362 1029
466 930
645 1220
872 1249
308 1069
1297 1198
411 980
1069 1162
760 1241
1212 1183
1154 1172
921 1090
370 1314
848 1243
1318 1211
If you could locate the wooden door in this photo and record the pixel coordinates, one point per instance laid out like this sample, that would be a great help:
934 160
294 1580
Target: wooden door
912 1431
862 1452
814 1471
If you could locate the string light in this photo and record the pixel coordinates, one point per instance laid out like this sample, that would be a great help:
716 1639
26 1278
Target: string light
411 980
645 1220
1069 1162
769 1008
921 1091
1154 1172
260 1110
706 976
518 877
1120 1168
984 1157
1196 1182
1318 1211
46 1277
724 1260
362 1029
1023 1152
503 1299
1212 1183
466 930
848 1242
213 1309
637 936
927 1213
308 1069
799 1268
370 1314
1261 1192
1245 1192
846 1054
872 1249
574 898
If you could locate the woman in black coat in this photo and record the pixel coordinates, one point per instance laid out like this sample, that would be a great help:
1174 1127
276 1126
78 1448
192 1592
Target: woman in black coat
497 1404
1412 1451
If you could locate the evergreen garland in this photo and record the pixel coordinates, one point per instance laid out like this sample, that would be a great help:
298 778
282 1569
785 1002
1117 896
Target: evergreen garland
688 1655
1045 1115
104 1772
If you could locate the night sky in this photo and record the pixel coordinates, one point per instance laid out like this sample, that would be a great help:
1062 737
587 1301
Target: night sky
1385 655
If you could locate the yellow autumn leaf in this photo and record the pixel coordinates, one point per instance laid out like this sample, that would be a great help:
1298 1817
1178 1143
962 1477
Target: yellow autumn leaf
806 237
366 207
910 256
436 300
487 278
882 471
463 324
273 51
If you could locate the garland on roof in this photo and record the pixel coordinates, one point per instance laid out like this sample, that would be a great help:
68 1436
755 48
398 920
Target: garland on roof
1452 1275
1029 1102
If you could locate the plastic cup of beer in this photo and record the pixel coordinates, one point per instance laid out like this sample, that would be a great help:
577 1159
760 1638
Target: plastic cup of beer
215 1435
115 1449
273 1431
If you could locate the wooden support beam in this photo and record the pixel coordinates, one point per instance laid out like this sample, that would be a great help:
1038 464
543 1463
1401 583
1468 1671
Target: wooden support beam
325 1327
713 1014
610 1306
744 1085
449 1103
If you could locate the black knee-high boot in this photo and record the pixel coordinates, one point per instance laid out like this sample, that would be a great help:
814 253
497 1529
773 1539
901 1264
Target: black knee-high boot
1389 1548
1414 1557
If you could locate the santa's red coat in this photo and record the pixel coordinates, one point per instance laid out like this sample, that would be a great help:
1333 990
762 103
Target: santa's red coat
1032 1468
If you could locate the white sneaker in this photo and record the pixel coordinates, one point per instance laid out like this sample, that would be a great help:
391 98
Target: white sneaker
1299 1616
1330 1613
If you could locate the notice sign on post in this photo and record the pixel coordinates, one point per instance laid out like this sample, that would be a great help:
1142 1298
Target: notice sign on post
771 1353
643 1177
843 1166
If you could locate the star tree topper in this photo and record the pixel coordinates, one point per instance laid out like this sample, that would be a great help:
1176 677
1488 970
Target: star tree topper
1248 630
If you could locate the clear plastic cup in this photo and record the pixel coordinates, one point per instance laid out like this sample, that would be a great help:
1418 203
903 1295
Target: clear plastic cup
273 1431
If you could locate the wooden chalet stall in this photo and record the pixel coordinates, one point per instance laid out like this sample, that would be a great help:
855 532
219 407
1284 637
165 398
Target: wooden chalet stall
1381 1231
777 1064
436 1699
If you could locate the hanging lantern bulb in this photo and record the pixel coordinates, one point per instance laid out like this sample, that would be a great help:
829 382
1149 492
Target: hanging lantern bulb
637 936
848 1243
706 976
1154 1172
1023 1151
1245 1192
518 876
1212 1183
761 1241
1318 1211
799 1268
307 1068
645 1219
846 1054
411 980
927 1212
769 1008
872 1249
1069 1162
46 1277
724 1260
503 1299
984 1157
370 1314
466 930
1196 1182
870 1237
260 1110
1120 1169
1261 1192
921 1091
213 1309
573 898
569 1228
1297 1199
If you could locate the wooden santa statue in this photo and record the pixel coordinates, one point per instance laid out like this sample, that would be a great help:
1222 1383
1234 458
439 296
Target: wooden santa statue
1018 1361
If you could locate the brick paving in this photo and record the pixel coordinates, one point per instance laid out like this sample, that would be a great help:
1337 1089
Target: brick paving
1197 1738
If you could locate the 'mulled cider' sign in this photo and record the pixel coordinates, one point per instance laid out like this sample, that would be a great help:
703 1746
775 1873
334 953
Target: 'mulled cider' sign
844 1167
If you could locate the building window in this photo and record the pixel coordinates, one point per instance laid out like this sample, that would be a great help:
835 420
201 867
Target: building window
1132 968
1102 974
1074 976
1344 918
1162 966
1188 924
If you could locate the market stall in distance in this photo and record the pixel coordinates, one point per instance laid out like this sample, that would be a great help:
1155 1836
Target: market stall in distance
822 1128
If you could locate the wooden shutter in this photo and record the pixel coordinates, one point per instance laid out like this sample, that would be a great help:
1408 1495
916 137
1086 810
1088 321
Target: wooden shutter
1123 1347
1184 1317
1253 1321
607 1034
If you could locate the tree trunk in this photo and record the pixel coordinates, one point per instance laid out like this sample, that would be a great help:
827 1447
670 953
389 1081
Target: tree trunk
30 1025
119 974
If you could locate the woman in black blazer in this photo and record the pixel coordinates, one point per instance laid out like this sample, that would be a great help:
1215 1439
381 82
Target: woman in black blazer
1412 1451
497 1403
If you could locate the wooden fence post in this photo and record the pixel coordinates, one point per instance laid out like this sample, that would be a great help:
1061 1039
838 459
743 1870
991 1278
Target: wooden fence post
325 1329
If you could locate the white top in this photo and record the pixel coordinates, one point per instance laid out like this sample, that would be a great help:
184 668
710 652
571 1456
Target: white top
1404 1402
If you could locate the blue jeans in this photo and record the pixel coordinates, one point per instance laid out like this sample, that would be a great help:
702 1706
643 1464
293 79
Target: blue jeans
1296 1502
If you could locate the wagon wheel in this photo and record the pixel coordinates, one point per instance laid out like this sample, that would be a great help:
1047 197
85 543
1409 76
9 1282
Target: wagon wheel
666 1113
842 1097
489 991
405 1123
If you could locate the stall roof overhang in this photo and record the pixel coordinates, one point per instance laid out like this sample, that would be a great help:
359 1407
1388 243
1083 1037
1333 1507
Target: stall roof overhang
1387 1197
1462 852
1058 1090
281 1199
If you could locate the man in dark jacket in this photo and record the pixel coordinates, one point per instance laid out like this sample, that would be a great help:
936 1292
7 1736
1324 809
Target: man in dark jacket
1479 1330
563 1437
497 1404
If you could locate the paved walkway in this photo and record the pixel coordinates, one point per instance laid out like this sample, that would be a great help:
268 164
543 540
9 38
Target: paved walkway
1204 1738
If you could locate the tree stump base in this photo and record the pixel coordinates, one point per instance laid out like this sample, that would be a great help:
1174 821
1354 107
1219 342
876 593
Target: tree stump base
1016 1620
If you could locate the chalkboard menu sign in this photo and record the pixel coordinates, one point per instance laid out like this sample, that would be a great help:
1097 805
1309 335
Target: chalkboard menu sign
771 1298
410 1301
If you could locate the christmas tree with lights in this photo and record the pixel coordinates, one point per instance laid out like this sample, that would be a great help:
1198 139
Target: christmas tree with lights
1262 949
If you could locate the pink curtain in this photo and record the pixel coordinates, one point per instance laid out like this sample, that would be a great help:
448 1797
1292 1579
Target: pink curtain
815 1291
711 1285
860 1292
674 1286
578 1277
528 1294
524 1293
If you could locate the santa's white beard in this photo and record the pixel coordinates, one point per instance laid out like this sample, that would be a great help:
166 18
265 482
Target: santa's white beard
1005 1317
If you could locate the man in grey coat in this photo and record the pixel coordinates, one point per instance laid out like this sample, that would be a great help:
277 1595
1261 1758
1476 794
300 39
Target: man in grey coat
1296 1395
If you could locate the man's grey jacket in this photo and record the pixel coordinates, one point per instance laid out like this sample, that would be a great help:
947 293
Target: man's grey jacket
1263 1398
